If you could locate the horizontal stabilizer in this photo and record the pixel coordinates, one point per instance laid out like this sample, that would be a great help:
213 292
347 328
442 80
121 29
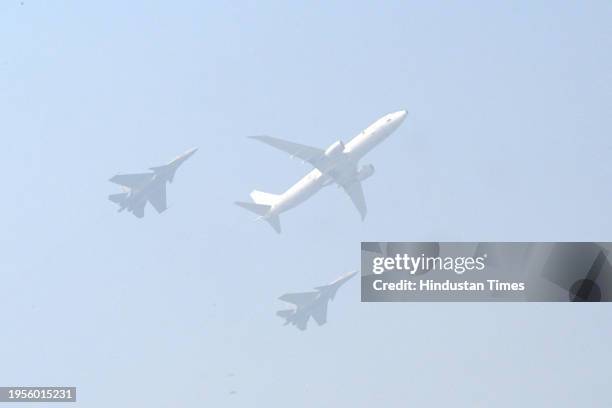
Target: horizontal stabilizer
262 210
118 198
259 209
285 314
274 222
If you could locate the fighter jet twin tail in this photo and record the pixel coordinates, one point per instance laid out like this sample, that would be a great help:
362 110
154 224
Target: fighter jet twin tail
339 164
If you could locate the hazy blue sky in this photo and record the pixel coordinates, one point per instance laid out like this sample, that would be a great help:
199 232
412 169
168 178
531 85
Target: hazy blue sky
508 138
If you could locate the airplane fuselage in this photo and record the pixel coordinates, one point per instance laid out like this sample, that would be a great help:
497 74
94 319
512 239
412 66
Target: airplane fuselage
353 151
137 195
300 192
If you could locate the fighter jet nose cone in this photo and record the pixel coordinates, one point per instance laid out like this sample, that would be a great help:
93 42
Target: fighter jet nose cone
190 152
349 275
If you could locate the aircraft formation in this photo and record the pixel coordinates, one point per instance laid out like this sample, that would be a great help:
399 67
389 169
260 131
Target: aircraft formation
338 164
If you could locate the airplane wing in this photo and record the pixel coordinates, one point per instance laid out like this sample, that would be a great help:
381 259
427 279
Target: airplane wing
355 192
139 211
299 298
320 314
132 180
157 198
316 157
312 155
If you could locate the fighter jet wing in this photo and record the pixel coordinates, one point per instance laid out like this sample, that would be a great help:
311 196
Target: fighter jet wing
355 192
157 198
312 155
320 314
139 211
299 298
132 180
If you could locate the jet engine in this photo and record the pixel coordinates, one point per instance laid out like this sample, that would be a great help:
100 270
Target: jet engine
365 172
335 150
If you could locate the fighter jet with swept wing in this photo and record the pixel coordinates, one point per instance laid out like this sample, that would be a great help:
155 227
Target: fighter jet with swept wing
149 187
311 304
339 164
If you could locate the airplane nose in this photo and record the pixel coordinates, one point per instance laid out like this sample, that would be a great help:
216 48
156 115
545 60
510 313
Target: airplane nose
401 115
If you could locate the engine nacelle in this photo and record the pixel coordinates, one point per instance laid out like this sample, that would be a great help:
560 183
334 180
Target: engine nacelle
365 172
335 150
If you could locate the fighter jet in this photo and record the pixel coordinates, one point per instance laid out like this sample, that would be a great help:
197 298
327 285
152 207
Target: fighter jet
339 164
147 187
311 303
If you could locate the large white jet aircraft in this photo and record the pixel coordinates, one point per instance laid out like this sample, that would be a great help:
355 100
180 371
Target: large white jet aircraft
339 164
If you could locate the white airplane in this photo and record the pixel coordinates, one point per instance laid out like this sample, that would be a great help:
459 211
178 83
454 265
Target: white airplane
339 164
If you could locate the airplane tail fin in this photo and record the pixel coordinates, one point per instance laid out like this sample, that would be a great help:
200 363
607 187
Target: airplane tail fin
262 210
119 199
264 198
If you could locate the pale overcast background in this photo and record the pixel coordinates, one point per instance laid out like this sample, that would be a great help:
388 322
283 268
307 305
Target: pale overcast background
508 138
